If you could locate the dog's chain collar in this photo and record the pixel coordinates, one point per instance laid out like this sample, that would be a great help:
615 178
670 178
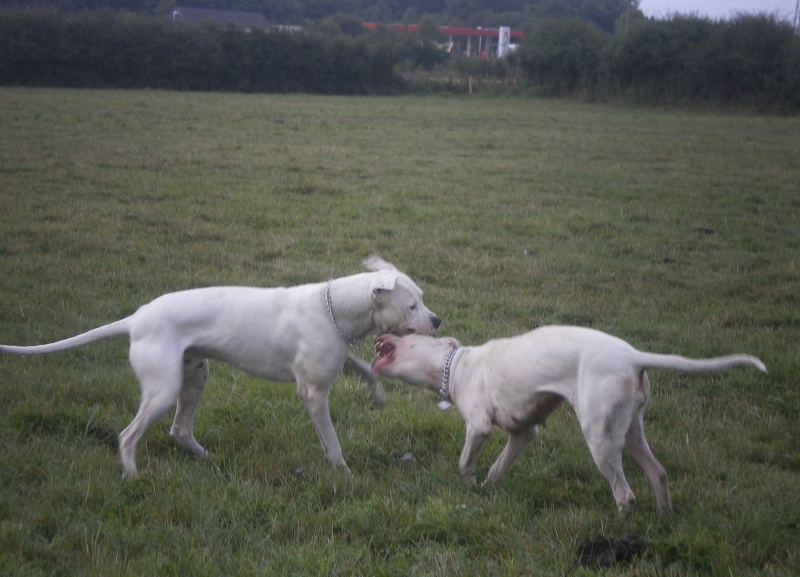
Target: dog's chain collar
443 392
350 340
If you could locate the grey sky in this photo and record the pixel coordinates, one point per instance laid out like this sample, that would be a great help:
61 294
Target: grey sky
717 8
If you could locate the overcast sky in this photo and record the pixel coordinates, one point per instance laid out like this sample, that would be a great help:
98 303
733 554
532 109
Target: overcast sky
717 8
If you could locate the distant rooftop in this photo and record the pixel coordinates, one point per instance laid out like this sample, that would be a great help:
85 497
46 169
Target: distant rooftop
246 20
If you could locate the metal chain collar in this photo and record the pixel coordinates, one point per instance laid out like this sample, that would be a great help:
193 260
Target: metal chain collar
351 341
446 400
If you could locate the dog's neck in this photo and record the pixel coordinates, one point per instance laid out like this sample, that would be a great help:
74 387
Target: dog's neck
329 302
444 388
351 317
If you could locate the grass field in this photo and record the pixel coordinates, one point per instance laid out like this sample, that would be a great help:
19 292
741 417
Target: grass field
678 231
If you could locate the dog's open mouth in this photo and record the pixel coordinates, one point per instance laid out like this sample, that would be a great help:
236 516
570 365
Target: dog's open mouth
383 350
383 347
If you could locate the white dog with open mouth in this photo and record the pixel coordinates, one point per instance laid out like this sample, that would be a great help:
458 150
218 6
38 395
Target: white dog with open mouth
302 334
515 383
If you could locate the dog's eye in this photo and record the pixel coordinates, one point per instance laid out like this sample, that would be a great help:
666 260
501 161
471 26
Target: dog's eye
413 307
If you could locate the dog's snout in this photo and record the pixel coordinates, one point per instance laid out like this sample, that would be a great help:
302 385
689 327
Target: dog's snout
436 321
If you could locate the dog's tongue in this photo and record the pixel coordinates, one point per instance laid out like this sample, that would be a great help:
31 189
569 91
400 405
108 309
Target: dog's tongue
377 363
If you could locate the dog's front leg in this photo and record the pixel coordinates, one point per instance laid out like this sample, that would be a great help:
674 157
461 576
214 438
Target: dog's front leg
374 389
476 439
316 403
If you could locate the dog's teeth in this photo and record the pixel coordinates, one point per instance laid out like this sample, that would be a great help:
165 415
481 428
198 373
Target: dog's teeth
382 348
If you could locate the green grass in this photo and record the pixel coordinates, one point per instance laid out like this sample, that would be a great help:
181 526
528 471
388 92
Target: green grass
678 231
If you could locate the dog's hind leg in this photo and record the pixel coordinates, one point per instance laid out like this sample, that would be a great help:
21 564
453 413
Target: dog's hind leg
608 458
159 372
316 403
374 389
195 376
636 443
605 442
608 405
516 444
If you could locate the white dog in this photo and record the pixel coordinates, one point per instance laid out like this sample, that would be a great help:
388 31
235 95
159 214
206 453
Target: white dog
302 334
515 383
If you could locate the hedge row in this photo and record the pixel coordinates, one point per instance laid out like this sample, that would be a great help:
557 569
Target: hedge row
118 50
751 60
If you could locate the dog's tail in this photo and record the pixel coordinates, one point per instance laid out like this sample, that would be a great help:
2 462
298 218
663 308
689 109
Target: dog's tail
115 329
679 363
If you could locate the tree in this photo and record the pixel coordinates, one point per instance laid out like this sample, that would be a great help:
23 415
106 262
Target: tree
564 57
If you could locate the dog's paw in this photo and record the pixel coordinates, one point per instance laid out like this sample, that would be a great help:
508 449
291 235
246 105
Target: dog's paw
626 507
470 480
377 397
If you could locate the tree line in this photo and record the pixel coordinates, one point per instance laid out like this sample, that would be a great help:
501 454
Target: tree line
751 60
105 49
486 13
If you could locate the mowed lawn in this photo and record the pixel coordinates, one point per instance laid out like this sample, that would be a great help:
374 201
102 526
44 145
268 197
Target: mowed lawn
678 231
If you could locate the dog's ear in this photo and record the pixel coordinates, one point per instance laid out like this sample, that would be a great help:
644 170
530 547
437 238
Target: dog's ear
453 342
384 282
375 263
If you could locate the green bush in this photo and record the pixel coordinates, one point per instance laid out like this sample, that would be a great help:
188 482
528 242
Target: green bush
565 57
751 60
115 50
662 59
